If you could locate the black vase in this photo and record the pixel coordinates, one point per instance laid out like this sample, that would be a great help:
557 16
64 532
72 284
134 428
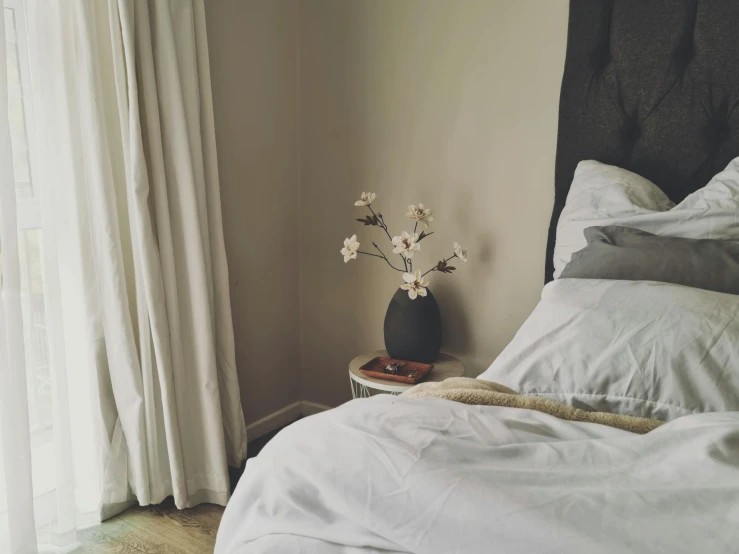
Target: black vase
413 327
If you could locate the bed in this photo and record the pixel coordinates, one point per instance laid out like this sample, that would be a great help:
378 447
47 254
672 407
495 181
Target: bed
648 142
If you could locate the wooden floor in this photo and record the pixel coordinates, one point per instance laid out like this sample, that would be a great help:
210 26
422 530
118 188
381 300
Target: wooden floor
161 529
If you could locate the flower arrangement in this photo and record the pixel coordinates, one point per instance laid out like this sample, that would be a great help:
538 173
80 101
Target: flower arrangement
406 245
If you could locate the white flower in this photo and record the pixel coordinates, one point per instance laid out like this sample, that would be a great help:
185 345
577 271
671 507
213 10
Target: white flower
414 284
419 213
366 199
351 245
460 252
406 244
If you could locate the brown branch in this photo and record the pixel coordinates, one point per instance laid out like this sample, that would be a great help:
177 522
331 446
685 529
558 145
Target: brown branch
437 265
384 228
384 257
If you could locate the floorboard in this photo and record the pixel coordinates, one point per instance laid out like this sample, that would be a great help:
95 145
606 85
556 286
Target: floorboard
161 529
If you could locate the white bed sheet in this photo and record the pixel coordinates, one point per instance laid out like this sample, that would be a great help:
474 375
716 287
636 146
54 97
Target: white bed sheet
434 476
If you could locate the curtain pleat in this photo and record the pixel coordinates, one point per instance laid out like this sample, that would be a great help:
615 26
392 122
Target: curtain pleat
98 190
221 301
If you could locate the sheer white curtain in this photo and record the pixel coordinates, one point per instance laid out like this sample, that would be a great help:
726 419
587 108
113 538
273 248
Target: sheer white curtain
144 399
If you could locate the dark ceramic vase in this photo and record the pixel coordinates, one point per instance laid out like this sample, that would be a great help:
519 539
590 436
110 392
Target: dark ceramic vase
413 328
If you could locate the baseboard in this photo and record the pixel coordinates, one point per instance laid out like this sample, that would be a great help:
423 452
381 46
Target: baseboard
274 421
283 417
310 408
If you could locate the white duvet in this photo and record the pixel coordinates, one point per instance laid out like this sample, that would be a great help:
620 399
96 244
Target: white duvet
390 474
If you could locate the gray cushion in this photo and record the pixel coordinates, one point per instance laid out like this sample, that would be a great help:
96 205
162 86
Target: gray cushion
629 254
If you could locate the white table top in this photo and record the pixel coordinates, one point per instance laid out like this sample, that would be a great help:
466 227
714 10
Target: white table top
446 366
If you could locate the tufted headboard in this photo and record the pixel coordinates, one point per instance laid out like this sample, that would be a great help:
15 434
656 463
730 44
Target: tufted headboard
651 86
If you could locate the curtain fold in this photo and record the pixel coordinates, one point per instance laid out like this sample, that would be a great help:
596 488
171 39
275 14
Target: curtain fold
156 242
147 384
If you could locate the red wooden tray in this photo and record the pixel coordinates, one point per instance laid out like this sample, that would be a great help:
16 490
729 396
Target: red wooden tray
410 373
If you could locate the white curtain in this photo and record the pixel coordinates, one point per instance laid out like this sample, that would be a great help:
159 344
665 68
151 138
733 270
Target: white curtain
122 153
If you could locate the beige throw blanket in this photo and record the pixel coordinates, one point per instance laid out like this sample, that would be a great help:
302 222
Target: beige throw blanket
485 393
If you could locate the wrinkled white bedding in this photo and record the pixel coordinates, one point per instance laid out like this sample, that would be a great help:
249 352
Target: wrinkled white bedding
435 476
638 348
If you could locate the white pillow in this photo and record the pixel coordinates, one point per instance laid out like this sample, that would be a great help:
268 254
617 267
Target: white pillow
634 347
607 195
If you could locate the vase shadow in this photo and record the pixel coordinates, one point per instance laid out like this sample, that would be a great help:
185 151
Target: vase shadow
454 321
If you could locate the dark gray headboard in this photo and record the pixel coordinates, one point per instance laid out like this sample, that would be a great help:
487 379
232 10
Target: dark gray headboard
651 86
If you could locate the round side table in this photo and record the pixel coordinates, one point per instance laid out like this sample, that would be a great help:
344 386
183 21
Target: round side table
364 387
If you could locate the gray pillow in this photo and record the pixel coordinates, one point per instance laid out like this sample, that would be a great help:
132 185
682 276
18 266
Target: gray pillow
628 254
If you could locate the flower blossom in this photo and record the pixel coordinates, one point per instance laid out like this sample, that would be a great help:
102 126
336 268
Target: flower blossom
460 252
406 244
351 246
420 214
366 199
415 284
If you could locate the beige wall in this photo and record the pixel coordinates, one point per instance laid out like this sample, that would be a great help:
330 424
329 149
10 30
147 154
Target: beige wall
451 103
253 51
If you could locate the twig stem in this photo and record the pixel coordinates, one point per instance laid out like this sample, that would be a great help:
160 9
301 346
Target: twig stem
434 268
384 257
384 228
